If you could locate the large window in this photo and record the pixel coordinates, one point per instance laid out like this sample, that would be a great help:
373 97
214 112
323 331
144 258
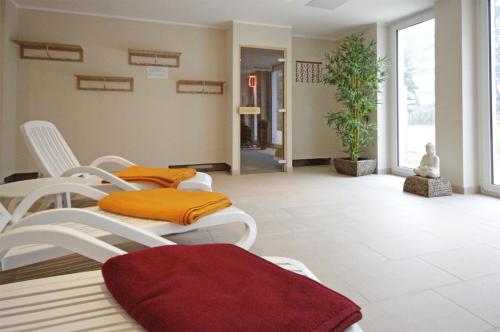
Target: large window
495 91
415 92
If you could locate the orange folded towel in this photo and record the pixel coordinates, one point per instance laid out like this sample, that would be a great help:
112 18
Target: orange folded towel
167 204
163 177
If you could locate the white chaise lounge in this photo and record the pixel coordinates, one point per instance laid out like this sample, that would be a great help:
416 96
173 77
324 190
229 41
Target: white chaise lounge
54 158
80 301
112 228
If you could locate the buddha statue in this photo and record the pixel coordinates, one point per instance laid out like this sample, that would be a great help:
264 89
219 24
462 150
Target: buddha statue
429 165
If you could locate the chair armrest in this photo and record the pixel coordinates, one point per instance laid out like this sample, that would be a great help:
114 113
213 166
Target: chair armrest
54 189
95 220
60 236
111 159
103 174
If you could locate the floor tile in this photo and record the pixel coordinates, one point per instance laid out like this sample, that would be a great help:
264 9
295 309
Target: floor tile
480 296
408 245
422 312
467 263
385 280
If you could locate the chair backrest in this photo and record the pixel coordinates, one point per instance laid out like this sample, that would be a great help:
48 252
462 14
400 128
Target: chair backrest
48 148
4 217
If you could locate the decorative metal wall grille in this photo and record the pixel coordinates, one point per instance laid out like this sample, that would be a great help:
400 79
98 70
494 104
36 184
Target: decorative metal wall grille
308 71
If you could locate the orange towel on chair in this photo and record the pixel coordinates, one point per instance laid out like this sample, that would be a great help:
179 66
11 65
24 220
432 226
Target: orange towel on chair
163 177
177 206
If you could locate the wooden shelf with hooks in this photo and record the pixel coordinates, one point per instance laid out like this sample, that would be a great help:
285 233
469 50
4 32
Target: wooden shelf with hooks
104 83
200 87
42 51
154 58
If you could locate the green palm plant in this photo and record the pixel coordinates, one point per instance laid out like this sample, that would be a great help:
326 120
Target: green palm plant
356 72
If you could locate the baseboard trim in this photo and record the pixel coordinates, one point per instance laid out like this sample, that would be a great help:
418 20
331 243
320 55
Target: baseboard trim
210 167
311 162
20 177
466 190
384 171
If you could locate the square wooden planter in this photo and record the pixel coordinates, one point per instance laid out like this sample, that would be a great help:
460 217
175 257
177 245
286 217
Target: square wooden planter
355 168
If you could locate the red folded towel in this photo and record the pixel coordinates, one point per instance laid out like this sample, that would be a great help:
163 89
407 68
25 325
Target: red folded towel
221 287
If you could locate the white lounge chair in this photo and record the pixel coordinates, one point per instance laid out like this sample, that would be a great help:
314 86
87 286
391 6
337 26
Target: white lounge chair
54 158
109 227
79 301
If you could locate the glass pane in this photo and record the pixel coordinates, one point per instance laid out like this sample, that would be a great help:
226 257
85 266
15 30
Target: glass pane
262 90
416 98
495 94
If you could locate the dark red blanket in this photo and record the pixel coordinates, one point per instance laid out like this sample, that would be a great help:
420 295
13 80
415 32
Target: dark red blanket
221 287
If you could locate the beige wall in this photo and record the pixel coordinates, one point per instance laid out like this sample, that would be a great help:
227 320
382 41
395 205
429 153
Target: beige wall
152 125
179 128
312 138
8 106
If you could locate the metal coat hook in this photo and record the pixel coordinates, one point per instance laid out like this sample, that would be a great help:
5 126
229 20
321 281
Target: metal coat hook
47 51
104 82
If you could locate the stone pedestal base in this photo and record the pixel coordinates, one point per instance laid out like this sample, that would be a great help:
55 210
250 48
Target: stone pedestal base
355 168
427 187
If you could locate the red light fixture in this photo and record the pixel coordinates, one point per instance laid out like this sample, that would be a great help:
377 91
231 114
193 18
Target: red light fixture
252 81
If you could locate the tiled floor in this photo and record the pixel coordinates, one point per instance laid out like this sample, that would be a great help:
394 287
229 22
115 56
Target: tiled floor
413 264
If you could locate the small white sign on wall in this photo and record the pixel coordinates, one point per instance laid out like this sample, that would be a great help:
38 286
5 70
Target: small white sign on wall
157 72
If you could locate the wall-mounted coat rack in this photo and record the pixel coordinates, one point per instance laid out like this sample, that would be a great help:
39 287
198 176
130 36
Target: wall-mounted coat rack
200 87
154 58
104 83
49 51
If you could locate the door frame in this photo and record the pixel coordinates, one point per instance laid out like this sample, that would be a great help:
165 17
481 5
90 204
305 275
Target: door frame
285 99
485 53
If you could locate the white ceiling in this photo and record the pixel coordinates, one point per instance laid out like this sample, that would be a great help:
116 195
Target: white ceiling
304 20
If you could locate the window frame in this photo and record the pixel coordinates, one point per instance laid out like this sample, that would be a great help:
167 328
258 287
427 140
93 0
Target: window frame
397 26
485 96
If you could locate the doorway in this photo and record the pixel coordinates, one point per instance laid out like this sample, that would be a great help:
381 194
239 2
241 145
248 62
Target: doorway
262 110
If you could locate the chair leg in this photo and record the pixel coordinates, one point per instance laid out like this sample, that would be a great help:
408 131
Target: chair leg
68 200
59 201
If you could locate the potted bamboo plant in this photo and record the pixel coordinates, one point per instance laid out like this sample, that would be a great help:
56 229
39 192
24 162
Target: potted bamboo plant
356 72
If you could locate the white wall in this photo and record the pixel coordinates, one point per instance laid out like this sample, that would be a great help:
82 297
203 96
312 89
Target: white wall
381 148
152 125
2 29
8 132
470 95
312 138
229 117
456 112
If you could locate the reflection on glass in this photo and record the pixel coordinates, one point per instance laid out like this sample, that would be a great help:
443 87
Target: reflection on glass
416 98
